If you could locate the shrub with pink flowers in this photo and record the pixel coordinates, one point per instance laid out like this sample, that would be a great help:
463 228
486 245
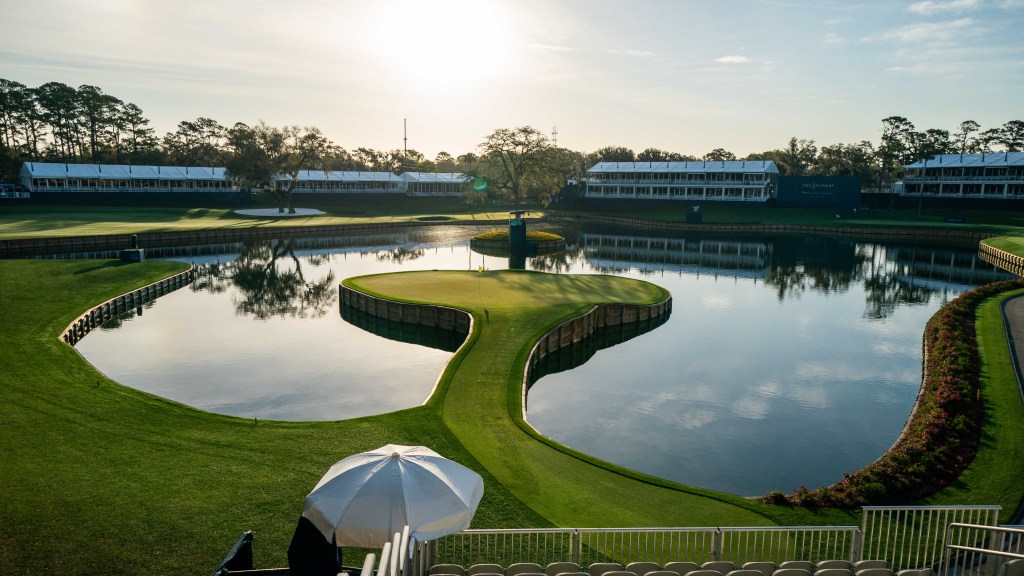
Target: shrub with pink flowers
943 434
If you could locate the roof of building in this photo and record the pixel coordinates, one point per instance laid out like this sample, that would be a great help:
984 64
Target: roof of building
122 171
993 159
435 177
698 166
342 176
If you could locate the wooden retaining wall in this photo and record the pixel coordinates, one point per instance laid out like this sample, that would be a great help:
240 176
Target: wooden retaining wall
945 235
577 329
1010 262
114 307
26 247
422 314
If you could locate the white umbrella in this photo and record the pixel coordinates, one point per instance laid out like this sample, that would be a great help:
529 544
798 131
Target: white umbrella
366 498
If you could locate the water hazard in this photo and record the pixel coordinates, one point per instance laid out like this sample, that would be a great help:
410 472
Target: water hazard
786 360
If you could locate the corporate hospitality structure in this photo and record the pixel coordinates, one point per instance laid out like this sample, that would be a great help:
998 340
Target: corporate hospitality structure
992 176
728 180
358 182
66 182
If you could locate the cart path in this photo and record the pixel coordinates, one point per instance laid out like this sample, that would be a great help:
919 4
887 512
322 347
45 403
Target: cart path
1013 317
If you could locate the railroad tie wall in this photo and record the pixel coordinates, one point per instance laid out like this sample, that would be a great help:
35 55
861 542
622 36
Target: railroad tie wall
1010 262
575 330
422 314
114 307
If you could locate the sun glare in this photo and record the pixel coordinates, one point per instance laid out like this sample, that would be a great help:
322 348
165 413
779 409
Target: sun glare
444 46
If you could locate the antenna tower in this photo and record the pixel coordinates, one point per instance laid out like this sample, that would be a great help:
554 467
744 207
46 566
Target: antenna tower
554 136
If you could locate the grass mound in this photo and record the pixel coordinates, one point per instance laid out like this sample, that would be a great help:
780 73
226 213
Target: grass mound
531 236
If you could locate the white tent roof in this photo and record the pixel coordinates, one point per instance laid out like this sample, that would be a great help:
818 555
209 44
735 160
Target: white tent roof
342 176
699 166
123 171
435 177
994 159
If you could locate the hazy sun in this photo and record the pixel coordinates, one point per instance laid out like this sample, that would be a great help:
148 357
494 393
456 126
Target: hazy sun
444 45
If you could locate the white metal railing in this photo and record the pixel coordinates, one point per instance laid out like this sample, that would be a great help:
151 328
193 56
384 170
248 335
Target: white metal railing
813 543
905 536
912 536
624 545
979 550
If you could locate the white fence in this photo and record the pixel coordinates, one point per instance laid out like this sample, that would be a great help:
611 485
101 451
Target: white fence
906 537
912 536
977 550
586 546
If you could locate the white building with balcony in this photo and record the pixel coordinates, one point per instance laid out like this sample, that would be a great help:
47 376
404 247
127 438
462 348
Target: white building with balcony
54 177
990 176
436 183
728 180
343 182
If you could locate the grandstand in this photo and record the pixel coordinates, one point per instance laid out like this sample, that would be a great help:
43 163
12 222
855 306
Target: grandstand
980 176
727 180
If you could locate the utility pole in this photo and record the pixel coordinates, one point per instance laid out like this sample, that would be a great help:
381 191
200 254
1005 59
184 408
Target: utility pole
405 138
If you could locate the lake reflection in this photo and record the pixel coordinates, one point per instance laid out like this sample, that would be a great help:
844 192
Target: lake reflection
786 360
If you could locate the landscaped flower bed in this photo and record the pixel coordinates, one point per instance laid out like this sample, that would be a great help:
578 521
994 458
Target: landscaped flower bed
531 236
942 437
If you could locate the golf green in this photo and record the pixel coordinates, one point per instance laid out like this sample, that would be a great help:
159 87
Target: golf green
480 390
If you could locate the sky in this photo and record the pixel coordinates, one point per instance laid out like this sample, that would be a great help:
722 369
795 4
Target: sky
686 76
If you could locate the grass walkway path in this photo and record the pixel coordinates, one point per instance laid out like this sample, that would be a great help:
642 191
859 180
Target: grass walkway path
511 311
995 476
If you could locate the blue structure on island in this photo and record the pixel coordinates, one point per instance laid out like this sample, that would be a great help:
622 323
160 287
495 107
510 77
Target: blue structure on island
518 247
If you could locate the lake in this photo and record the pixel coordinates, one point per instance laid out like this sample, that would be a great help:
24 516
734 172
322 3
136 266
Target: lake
786 361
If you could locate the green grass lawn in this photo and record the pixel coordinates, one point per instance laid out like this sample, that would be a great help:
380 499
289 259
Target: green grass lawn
100 478
997 474
1014 244
480 391
50 221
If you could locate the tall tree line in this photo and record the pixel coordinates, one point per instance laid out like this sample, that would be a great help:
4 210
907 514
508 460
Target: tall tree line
59 123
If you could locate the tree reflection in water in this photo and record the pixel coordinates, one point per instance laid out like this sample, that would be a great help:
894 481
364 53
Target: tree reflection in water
271 282
892 275
399 255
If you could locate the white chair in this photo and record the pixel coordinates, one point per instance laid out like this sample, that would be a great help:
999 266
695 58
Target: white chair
601 568
722 566
523 568
799 564
827 564
480 569
455 569
862 564
642 568
683 568
556 568
765 568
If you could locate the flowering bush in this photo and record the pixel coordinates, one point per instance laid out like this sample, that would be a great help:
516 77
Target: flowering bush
531 236
944 431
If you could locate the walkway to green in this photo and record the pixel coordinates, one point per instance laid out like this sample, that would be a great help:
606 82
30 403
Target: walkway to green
479 394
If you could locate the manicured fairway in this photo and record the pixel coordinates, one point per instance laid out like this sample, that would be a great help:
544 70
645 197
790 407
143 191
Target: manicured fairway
97 478
47 221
